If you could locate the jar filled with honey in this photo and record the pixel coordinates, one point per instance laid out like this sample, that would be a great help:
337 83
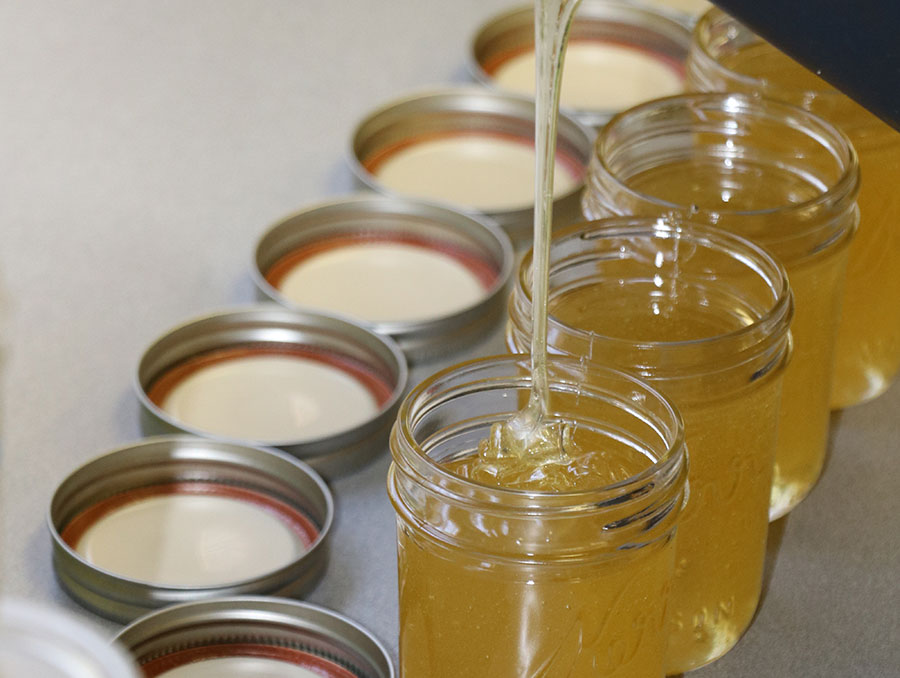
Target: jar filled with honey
552 562
768 171
702 315
726 55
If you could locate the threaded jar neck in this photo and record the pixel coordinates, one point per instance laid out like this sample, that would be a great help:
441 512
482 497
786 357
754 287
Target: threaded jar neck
692 268
446 417
725 55
721 151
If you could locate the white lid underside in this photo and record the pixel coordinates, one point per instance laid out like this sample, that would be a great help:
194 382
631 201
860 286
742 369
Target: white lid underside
383 282
271 399
481 171
225 667
190 540
597 76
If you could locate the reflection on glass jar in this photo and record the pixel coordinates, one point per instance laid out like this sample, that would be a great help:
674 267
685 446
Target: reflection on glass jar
515 579
770 172
702 315
726 55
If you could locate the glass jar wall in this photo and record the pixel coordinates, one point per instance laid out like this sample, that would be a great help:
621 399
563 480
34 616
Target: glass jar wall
503 581
726 55
703 316
770 172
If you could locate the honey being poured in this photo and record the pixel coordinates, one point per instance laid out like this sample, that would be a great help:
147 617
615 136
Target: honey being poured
556 590
564 458
530 438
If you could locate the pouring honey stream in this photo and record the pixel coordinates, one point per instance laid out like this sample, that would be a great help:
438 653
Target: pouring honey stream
532 450
547 550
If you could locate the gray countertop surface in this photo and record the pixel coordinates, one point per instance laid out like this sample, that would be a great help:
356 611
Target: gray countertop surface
145 146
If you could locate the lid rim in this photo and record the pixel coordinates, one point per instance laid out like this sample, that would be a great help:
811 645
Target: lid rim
416 338
359 442
156 632
276 474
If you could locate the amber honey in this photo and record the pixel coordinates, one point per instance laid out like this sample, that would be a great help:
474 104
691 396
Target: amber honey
680 309
462 616
726 55
557 564
586 619
817 283
772 173
718 568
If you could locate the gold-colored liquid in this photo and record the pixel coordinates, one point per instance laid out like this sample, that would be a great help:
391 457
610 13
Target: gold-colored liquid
557 621
730 438
868 344
722 531
551 19
505 616
529 429
817 286
570 458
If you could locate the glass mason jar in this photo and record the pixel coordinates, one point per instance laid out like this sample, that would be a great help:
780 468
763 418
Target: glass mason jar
48 642
768 171
703 316
726 55
503 582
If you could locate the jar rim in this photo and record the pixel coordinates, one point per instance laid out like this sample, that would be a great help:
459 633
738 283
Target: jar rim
777 316
833 140
701 28
455 488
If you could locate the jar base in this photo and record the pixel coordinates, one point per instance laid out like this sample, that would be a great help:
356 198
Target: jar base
786 496
875 384
717 647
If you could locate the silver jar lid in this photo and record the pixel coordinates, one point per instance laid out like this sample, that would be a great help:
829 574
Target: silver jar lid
260 635
653 43
432 278
492 124
172 519
317 386
37 641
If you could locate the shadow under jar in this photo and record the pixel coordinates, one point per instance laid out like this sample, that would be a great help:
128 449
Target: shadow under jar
725 55
513 579
703 316
777 175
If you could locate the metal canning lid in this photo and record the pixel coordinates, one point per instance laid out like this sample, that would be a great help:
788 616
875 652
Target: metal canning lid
37 641
173 519
317 386
641 49
471 149
431 278
254 636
